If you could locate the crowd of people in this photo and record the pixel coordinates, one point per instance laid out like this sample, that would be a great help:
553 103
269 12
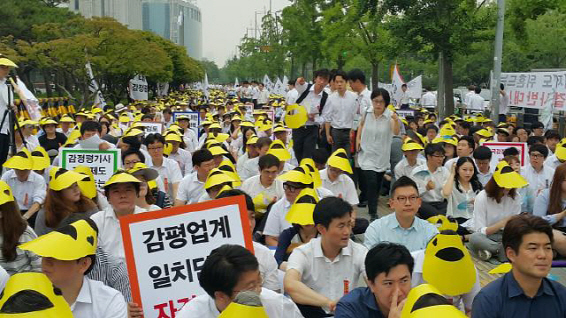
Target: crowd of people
305 164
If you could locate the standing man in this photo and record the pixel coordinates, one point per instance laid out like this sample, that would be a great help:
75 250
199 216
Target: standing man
292 94
313 98
476 101
503 103
255 93
339 114
5 65
263 96
428 100
404 100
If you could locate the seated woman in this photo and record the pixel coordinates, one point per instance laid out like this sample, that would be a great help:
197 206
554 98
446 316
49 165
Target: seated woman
551 206
145 199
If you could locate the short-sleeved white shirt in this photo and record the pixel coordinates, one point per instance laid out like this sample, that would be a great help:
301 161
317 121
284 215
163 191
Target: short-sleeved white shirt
170 173
343 187
404 169
98 300
267 267
26 193
332 279
375 142
253 187
184 159
190 189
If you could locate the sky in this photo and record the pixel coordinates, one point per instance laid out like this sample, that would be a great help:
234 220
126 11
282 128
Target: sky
224 23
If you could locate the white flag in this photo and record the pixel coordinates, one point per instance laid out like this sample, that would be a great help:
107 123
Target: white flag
32 102
279 87
285 83
162 89
415 87
93 87
397 82
236 83
180 18
205 85
138 88
267 83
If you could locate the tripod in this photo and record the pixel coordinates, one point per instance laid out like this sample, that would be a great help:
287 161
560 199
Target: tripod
13 122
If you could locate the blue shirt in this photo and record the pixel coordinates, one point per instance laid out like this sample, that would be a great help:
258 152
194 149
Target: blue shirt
387 229
504 298
359 303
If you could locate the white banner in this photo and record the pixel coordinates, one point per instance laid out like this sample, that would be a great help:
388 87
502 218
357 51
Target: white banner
396 82
103 164
267 83
497 149
205 85
236 83
138 88
93 87
162 89
165 250
415 87
152 128
32 103
285 83
536 90
194 120
279 88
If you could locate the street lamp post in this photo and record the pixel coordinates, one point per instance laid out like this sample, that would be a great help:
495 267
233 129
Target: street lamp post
497 61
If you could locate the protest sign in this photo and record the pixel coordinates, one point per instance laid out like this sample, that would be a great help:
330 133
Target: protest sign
102 163
194 118
151 128
404 113
165 250
497 149
138 88
536 90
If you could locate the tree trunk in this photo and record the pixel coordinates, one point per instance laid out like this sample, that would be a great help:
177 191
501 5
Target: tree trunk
440 95
47 80
374 75
448 90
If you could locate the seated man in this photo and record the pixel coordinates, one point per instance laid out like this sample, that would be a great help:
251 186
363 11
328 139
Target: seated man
191 187
323 270
227 271
388 270
483 157
251 167
402 226
525 291
67 269
466 146
265 183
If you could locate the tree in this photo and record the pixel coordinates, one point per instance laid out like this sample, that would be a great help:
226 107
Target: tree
546 40
212 70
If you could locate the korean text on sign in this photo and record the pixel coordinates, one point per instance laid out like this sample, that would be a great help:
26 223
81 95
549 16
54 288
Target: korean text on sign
103 164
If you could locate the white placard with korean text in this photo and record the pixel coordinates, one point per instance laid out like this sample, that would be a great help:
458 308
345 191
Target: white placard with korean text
165 250
536 90
102 163
497 149
194 120
152 128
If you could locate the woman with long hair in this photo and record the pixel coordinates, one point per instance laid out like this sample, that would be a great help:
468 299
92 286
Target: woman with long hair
551 206
15 231
64 197
145 199
493 207
461 189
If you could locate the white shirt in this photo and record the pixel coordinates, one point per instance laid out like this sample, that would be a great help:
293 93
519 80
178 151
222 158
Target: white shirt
476 102
469 95
438 177
484 177
190 189
341 111
404 169
428 100
276 222
170 173
538 181
190 139
488 212
375 142
460 301
4 105
333 279
404 99
184 159
28 192
460 204
552 162
241 162
267 267
275 305
253 187
342 187
503 103
250 168
311 102
109 233
292 96
98 300
263 96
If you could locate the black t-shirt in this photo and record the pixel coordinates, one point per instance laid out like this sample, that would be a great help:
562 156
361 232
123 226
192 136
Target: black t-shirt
48 144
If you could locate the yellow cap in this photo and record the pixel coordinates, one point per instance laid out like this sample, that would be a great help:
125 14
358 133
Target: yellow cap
484 133
66 119
7 62
339 160
173 137
410 144
507 178
79 239
279 128
235 310
216 177
252 140
310 168
40 158
301 212
49 304
220 137
20 161
442 223
121 176
447 140
560 151
5 193
133 132
63 179
87 185
298 175
296 116
217 151
278 149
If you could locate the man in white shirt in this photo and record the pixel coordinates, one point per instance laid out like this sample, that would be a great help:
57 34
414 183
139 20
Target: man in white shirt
292 94
251 167
503 103
265 183
334 178
320 272
465 148
476 102
28 187
191 187
5 96
430 179
168 169
263 96
255 93
339 115
167 118
67 269
469 94
482 157
228 270
121 190
538 176
428 100
411 150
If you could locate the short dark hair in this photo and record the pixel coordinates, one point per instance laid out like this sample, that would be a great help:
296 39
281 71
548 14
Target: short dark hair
521 225
223 268
533 140
383 93
132 141
540 148
292 82
341 74
323 72
404 85
147 116
431 149
201 156
431 126
130 152
236 192
320 156
552 134
267 161
470 140
403 182
330 208
477 89
166 110
263 141
385 256
537 125
90 125
153 138
464 124
511 151
357 75
482 153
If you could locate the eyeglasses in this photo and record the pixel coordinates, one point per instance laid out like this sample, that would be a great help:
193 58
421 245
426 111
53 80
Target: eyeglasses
255 286
403 200
536 155
155 148
291 188
439 156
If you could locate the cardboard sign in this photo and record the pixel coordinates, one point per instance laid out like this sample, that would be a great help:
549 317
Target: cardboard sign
497 149
536 90
103 164
165 250
152 128
138 88
194 120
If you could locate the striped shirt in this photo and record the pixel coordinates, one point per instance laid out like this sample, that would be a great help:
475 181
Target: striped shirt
112 272
25 261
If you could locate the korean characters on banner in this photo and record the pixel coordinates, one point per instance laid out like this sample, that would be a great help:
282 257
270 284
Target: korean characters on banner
165 250
138 88
194 120
152 128
536 90
497 149
103 164
405 113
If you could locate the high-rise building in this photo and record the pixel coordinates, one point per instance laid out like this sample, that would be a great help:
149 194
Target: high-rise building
177 20
127 12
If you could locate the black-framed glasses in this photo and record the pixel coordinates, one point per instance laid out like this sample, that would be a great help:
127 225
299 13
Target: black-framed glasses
402 199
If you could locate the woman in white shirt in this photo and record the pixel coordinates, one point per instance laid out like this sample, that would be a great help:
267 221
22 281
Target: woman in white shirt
145 199
493 207
373 144
461 189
